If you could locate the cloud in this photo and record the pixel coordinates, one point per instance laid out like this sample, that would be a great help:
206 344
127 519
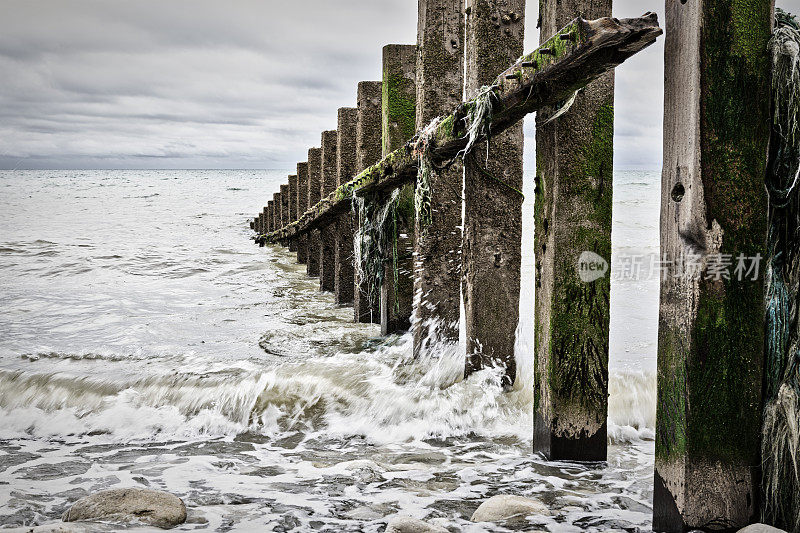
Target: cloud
243 83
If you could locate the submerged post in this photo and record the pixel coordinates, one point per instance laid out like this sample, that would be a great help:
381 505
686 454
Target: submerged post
292 208
574 164
713 234
437 241
398 125
492 246
368 152
345 171
327 265
302 205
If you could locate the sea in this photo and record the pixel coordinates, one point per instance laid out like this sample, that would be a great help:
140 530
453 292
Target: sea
145 341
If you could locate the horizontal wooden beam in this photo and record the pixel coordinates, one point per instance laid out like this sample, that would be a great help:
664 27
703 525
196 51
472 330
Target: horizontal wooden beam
574 57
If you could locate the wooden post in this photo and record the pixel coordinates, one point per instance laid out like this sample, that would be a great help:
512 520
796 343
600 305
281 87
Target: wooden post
258 223
314 179
264 219
398 125
345 171
276 210
302 205
574 173
270 222
368 152
492 246
437 246
327 265
285 207
292 208
713 211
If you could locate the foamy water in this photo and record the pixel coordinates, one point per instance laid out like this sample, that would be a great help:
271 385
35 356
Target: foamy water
147 342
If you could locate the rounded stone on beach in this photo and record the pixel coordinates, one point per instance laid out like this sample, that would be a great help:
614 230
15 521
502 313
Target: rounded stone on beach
760 528
405 524
134 505
503 507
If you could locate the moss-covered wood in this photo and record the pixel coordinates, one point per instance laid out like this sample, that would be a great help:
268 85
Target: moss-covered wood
710 349
535 81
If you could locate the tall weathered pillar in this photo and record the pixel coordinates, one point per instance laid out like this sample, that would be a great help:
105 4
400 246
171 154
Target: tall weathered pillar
285 205
713 215
264 219
345 171
258 224
327 264
398 125
276 210
437 242
492 245
302 205
314 179
292 208
574 173
270 215
368 152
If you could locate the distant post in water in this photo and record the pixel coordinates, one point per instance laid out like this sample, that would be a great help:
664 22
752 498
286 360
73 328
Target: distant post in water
398 125
285 207
314 180
437 242
327 263
492 245
302 206
270 225
368 152
292 208
345 171
713 235
572 223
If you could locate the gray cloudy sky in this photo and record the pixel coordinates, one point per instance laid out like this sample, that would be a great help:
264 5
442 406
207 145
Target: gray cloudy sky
227 84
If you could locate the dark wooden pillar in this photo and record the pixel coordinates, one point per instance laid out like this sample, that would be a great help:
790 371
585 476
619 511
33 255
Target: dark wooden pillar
345 171
314 179
302 205
327 262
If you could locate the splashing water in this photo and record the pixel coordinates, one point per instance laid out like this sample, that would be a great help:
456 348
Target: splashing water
147 342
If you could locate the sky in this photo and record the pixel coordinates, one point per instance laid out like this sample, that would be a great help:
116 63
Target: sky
233 84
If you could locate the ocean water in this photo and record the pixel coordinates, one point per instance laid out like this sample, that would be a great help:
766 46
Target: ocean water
145 341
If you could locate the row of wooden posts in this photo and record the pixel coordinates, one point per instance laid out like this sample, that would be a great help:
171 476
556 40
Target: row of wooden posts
710 332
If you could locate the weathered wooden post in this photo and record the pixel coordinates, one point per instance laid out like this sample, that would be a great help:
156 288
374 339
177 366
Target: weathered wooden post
285 207
437 244
276 210
258 223
327 264
270 223
345 171
314 179
264 219
368 152
713 215
492 245
292 208
574 164
302 205
398 125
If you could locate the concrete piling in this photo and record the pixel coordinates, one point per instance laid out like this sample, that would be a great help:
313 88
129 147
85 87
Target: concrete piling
437 244
292 208
314 180
368 152
398 125
492 244
573 215
327 265
347 121
713 214
302 205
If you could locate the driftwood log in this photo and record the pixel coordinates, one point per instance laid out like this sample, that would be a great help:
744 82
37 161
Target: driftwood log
574 57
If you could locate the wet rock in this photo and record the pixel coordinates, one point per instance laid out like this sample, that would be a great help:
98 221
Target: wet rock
151 507
405 524
760 528
503 507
